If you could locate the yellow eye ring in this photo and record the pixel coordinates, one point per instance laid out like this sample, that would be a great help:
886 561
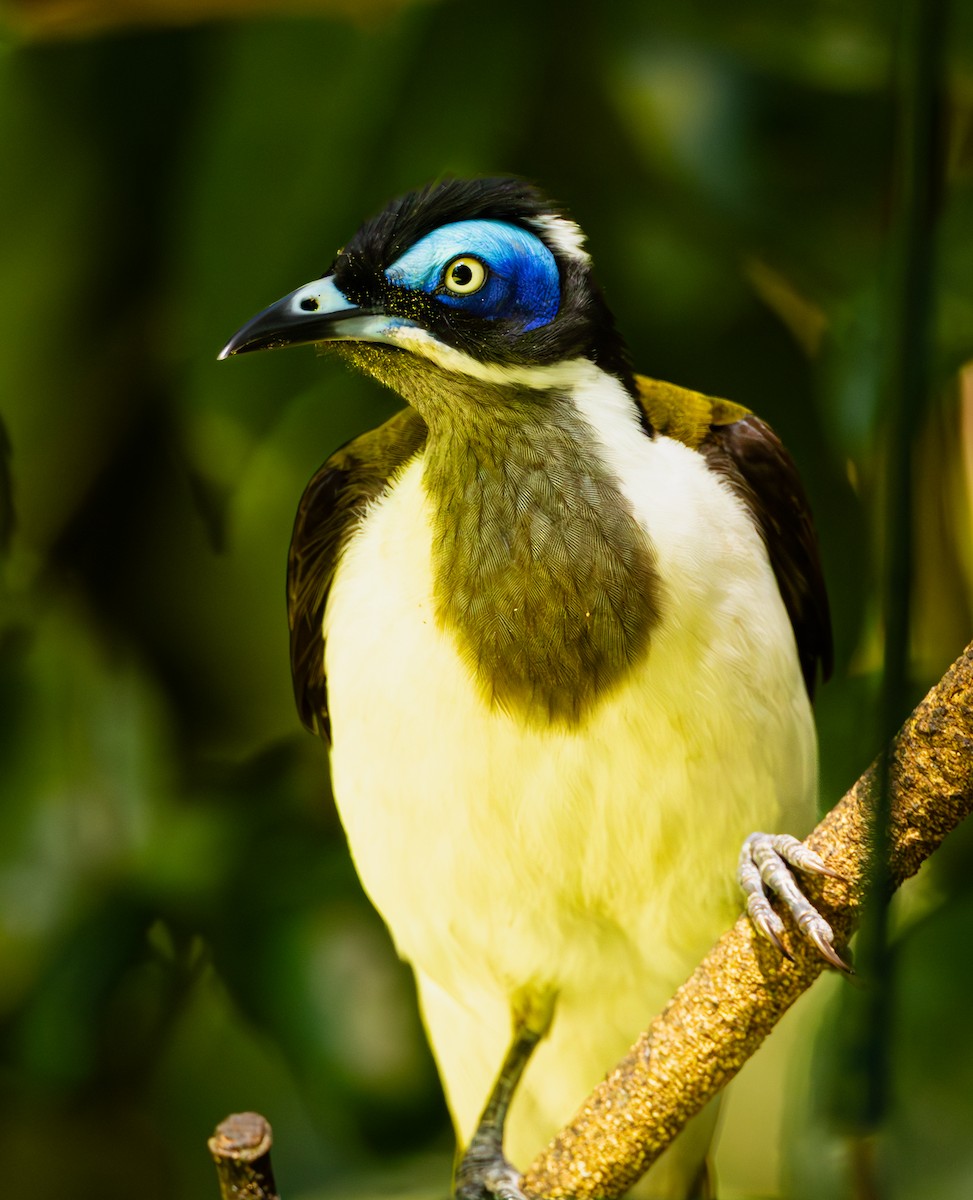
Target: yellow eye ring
464 275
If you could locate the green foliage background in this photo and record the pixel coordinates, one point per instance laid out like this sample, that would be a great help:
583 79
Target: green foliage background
181 931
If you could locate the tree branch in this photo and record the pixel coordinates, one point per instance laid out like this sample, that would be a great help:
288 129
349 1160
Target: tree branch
720 1016
241 1150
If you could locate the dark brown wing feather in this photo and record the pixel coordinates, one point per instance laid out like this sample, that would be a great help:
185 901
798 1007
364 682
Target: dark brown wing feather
329 509
747 453
756 465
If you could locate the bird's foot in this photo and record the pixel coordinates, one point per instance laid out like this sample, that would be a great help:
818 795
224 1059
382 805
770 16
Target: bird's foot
765 862
484 1173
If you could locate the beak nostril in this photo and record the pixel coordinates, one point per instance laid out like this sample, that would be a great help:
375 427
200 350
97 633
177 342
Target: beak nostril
309 304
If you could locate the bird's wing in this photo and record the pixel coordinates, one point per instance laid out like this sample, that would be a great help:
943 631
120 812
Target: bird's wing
331 505
747 453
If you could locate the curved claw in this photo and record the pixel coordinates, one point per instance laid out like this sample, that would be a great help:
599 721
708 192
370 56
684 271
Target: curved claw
766 922
827 950
800 856
764 865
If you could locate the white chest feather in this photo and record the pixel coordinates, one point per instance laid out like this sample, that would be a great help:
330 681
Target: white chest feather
466 827
503 857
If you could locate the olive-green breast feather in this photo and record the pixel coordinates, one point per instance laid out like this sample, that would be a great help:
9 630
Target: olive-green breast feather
753 461
737 445
332 503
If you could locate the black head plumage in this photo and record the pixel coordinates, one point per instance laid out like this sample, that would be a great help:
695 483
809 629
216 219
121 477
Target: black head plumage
583 326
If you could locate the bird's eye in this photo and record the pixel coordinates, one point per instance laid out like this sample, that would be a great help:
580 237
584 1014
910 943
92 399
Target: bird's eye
464 275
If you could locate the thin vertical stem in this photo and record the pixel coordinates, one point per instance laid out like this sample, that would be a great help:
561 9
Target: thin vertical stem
909 318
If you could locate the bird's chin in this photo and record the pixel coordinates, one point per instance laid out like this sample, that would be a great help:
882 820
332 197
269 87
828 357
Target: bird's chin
363 354
379 359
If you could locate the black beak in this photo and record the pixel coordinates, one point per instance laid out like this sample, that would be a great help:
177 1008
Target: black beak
317 312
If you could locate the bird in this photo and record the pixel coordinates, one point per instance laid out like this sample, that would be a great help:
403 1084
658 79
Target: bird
560 625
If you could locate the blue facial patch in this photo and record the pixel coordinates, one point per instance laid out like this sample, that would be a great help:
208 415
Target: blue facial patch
522 282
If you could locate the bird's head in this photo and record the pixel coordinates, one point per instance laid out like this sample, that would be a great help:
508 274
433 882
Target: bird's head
484 278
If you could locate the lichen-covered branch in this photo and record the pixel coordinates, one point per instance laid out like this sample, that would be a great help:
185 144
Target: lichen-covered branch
721 1015
241 1150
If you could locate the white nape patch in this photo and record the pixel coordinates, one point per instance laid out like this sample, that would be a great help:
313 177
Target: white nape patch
567 375
562 234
